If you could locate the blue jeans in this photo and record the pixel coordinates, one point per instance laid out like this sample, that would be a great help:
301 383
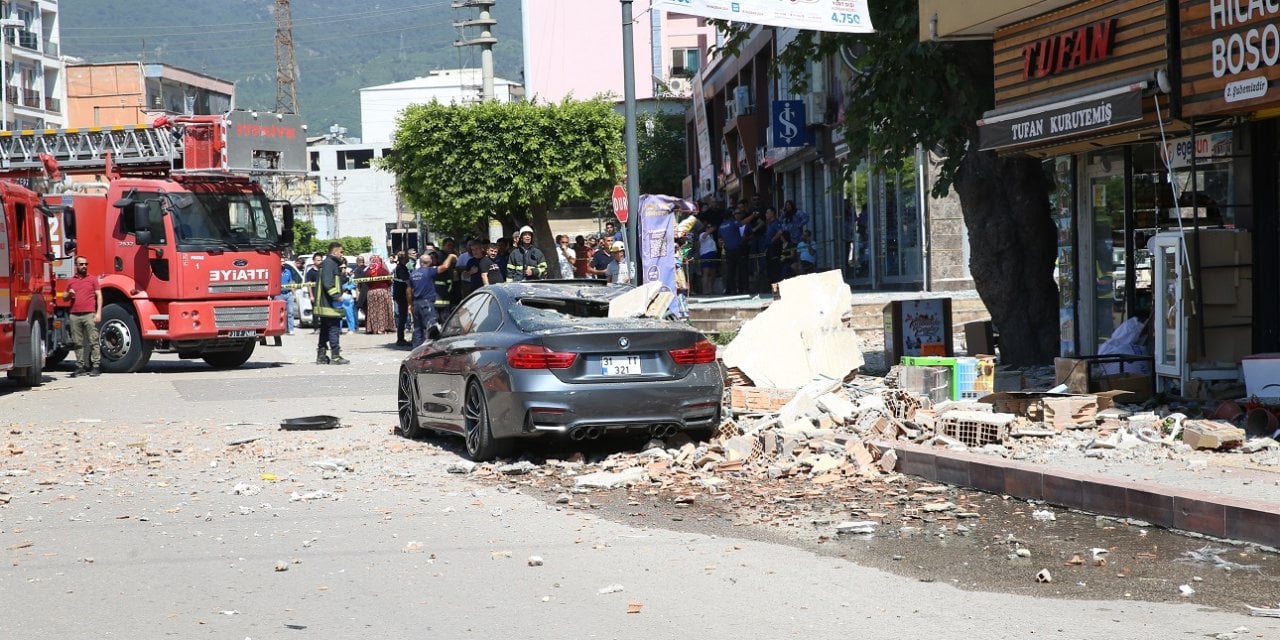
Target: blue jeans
349 306
424 315
290 306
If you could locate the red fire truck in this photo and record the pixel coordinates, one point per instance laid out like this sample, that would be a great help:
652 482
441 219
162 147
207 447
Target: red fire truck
26 283
181 236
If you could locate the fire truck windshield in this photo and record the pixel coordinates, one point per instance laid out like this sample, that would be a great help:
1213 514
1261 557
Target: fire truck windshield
225 220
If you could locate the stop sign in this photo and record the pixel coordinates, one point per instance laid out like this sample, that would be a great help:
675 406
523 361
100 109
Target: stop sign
620 203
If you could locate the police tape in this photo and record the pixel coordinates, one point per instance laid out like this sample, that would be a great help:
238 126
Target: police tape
299 285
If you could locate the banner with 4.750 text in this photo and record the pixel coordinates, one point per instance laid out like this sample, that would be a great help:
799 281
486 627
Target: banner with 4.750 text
845 16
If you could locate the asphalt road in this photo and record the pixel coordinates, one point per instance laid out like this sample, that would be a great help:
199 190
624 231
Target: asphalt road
168 504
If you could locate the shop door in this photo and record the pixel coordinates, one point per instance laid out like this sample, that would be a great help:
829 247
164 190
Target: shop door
1102 256
900 246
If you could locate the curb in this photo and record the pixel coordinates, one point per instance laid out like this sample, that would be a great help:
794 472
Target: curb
1161 505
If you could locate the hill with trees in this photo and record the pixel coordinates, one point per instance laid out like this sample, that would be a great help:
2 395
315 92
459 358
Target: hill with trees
339 46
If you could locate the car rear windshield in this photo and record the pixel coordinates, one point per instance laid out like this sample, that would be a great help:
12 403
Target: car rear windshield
535 314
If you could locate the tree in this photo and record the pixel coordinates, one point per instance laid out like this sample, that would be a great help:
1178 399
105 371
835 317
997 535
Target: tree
460 165
660 143
908 93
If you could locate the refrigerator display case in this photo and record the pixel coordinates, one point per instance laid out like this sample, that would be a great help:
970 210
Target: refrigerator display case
1203 306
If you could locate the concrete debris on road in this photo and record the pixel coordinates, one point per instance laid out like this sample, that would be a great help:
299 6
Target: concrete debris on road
462 467
613 588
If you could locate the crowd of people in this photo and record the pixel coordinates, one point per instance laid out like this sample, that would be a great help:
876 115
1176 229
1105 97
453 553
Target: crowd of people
742 249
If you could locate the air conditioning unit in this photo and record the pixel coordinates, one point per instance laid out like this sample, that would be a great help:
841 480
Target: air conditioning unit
815 108
730 111
680 86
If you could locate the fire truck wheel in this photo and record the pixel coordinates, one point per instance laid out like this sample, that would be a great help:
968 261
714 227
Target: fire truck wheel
123 349
230 359
31 377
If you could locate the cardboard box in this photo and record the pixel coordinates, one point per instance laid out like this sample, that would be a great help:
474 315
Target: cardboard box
1082 376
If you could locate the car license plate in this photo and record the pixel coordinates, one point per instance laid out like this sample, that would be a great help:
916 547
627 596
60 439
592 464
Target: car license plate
620 365
242 333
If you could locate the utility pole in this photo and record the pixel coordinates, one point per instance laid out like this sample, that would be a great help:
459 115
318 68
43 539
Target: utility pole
286 63
633 153
485 41
334 183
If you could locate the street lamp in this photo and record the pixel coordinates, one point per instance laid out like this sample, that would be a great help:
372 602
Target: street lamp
5 25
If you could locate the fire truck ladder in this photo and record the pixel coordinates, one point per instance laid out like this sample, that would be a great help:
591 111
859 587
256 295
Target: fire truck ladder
132 148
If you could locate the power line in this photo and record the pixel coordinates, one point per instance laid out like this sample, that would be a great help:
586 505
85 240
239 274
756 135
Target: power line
207 28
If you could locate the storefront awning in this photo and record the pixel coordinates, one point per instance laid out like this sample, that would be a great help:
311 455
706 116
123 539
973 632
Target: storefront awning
1069 117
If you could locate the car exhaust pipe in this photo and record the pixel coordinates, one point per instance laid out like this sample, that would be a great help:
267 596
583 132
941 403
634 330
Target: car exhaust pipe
579 434
594 432
661 431
671 430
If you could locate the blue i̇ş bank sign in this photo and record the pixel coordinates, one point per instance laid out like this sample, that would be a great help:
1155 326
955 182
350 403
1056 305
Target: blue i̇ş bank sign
789 124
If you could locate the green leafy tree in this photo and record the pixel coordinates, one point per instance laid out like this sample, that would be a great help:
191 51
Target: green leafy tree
304 235
461 165
660 143
907 93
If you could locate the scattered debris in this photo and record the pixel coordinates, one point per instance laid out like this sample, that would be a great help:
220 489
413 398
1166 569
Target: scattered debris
1263 613
517 468
310 423
245 489
463 467
1213 555
858 527
333 464
613 588
281 565
634 607
1186 590
611 480
1044 515
319 494
1044 576
535 561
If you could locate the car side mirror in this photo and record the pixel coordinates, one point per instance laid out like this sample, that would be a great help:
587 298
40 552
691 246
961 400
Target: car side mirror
433 332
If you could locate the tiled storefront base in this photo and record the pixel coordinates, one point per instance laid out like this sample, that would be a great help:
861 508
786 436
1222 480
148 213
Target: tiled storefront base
1159 504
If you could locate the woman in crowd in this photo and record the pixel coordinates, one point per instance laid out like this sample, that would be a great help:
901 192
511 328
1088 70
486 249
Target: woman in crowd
379 317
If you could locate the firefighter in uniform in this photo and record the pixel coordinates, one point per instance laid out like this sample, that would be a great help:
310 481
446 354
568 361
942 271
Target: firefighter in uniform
328 306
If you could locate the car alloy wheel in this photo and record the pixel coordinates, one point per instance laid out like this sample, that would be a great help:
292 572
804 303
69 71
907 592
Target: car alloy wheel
406 406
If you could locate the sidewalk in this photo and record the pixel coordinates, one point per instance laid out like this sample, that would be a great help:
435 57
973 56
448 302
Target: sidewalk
1213 498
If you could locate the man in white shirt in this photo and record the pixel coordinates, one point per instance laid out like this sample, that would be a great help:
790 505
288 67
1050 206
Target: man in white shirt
619 270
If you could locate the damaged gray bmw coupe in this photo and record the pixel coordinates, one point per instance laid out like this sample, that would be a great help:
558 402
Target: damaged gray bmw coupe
529 359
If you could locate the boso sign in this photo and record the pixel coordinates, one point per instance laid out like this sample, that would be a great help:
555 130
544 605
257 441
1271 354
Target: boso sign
1229 55
1245 43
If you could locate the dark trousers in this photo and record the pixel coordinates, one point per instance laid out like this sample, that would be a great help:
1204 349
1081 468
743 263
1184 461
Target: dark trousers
330 332
424 315
402 318
735 270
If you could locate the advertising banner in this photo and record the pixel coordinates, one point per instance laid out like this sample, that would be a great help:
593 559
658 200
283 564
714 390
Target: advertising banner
844 16
658 241
706 169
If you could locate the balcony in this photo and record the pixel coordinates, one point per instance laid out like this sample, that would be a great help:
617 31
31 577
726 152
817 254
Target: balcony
29 98
24 39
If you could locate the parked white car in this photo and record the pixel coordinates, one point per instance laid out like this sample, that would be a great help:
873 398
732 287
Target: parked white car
301 298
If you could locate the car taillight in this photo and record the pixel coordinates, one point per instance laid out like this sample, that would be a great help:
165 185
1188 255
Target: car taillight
700 353
532 356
